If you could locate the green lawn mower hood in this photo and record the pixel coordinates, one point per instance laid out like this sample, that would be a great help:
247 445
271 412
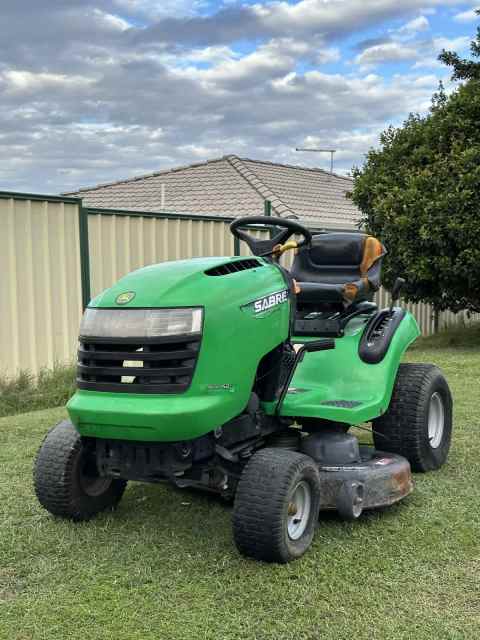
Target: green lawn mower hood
241 310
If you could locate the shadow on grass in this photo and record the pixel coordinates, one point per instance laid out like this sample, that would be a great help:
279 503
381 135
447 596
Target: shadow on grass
180 512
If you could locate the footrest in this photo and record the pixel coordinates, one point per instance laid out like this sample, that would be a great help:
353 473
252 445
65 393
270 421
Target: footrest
346 404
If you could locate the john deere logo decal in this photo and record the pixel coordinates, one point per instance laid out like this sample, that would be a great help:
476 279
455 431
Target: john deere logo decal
125 298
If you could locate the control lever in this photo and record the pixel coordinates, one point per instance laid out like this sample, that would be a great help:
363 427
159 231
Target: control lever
308 347
397 287
318 345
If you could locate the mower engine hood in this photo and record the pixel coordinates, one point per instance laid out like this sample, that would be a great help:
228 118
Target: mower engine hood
177 283
246 313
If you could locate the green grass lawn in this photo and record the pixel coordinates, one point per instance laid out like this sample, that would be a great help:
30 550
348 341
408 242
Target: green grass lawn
164 566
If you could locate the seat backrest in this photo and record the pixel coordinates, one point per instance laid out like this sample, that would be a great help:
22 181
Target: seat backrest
339 258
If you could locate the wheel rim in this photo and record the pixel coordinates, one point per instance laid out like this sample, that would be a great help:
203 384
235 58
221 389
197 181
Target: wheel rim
299 509
91 483
436 420
357 506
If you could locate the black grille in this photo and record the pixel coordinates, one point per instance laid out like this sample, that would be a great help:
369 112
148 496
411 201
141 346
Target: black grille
233 267
155 365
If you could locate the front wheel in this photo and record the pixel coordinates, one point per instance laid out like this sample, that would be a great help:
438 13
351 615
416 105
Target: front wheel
66 478
276 505
418 422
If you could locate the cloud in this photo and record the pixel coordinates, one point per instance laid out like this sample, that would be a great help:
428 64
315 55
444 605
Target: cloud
466 16
326 18
268 62
414 26
24 82
114 129
213 55
371 42
424 51
400 45
462 43
388 52
428 53
97 90
157 9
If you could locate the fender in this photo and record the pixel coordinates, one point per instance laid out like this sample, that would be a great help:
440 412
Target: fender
339 385
378 334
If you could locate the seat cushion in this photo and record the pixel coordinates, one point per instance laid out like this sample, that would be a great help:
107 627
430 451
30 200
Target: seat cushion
340 267
312 292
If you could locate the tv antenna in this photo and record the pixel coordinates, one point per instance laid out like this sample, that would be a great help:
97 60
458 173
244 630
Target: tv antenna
330 151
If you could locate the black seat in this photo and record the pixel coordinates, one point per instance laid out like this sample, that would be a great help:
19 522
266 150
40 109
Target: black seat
339 268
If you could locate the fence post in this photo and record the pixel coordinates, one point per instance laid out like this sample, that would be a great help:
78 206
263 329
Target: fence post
84 254
436 321
236 246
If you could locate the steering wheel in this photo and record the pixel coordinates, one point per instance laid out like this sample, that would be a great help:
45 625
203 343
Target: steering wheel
272 246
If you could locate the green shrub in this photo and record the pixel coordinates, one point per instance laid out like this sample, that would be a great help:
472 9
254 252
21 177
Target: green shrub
420 194
52 388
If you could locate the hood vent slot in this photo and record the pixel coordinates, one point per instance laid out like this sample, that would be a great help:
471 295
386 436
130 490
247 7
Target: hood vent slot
233 267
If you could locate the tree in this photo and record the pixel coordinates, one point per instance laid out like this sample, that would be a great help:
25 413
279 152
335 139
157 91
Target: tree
420 193
464 69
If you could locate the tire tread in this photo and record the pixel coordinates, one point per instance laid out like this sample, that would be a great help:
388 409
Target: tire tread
53 476
401 429
258 522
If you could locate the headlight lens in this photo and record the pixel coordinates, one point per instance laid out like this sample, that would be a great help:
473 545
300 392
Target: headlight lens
140 323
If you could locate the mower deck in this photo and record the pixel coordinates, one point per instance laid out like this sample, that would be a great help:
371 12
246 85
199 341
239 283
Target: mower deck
384 478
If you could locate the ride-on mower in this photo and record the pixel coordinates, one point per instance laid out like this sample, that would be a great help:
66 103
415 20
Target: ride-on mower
239 377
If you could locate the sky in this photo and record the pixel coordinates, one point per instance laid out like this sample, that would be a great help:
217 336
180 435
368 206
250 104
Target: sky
93 91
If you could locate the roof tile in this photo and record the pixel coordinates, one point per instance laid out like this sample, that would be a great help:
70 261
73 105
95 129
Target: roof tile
232 186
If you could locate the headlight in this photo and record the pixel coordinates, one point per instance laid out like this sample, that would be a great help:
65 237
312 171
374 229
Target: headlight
140 323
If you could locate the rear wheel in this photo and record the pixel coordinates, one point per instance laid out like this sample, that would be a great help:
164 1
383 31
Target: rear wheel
418 422
66 479
276 506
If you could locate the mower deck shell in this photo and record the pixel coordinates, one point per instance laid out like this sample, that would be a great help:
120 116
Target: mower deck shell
386 478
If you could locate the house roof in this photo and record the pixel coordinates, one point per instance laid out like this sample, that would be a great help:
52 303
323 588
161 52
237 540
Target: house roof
233 186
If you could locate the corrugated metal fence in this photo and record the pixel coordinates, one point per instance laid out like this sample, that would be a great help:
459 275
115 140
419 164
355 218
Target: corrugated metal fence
123 241
56 255
40 283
